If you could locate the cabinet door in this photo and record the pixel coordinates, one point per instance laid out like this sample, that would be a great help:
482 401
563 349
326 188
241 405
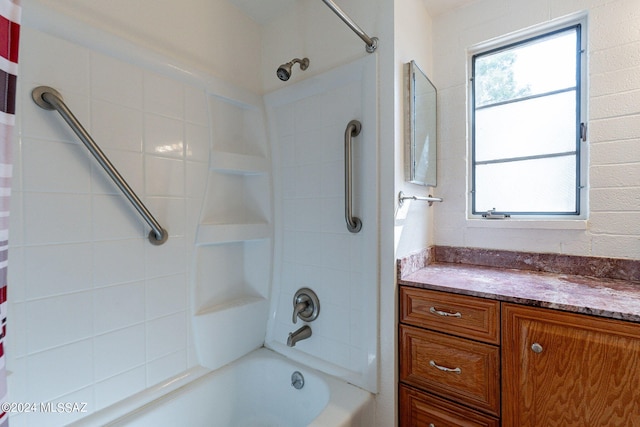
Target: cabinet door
418 409
563 369
464 371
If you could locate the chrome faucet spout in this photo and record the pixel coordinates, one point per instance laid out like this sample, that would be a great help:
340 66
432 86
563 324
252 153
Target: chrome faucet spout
301 334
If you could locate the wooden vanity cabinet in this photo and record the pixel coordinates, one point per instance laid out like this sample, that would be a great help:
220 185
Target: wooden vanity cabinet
564 369
556 368
449 360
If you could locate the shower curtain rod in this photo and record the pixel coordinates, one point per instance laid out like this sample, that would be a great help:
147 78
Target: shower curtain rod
371 42
50 99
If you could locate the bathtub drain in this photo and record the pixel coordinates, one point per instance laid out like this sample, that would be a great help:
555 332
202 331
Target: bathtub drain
297 380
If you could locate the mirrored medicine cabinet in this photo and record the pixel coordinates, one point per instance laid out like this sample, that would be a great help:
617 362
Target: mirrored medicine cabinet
420 127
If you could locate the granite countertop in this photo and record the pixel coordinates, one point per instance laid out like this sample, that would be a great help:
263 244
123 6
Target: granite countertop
603 296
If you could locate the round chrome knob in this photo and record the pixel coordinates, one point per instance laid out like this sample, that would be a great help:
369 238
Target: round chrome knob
536 348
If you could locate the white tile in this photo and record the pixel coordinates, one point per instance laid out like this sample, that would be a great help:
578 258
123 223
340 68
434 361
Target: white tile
308 248
17 380
166 335
196 110
336 251
48 60
59 371
335 285
164 177
47 124
118 261
55 321
332 179
163 136
79 404
166 367
287 150
113 389
197 142
166 295
55 166
56 217
116 81
332 215
119 351
115 218
308 146
57 269
116 126
129 166
163 96
166 259
169 212
118 306
309 180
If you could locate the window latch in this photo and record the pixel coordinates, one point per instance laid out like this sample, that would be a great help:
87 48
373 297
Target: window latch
491 214
583 132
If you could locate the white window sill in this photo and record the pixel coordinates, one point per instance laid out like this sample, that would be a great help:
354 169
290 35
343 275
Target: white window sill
548 224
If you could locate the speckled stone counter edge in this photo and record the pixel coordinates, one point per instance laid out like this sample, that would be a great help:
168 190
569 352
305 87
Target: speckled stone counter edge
599 267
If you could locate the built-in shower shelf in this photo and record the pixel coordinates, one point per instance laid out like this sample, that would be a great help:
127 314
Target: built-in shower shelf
244 164
236 303
211 234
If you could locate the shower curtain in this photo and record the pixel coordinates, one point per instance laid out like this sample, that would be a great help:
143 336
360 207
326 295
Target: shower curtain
9 42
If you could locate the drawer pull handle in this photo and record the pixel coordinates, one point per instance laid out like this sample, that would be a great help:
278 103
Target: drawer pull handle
443 369
444 313
432 425
536 348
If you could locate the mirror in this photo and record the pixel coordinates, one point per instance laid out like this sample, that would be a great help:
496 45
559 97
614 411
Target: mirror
420 127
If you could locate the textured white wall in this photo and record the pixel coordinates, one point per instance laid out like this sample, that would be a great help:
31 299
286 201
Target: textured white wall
613 228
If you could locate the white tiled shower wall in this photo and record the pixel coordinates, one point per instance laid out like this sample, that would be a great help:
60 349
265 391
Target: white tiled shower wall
97 312
313 247
613 228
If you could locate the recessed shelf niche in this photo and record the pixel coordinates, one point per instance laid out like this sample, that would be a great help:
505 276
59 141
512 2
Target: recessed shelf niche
233 241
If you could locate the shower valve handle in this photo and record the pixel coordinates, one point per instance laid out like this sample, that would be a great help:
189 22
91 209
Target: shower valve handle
306 305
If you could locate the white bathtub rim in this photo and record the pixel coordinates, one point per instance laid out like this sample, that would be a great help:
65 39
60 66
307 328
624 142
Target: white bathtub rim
135 402
340 402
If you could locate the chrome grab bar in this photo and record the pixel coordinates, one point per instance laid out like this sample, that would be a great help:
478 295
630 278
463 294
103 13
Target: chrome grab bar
371 42
354 224
50 99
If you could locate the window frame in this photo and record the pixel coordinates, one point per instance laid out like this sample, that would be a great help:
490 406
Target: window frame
579 23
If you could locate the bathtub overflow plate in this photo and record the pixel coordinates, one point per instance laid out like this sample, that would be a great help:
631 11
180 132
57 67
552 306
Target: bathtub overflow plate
297 380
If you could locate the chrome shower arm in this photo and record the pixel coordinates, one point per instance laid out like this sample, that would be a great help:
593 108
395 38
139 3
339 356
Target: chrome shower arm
371 42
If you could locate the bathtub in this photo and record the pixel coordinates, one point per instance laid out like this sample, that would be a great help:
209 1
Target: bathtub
254 391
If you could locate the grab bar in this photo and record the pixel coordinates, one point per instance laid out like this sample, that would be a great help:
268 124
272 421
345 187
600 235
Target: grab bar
354 224
371 42
430 199
50 99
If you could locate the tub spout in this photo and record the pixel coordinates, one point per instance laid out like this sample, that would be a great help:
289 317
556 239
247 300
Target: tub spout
301 334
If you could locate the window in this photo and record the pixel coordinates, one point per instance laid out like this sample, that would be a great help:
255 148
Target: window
526 126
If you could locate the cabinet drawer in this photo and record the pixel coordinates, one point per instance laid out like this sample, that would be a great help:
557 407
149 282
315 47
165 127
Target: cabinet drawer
464 371
419 409
465 316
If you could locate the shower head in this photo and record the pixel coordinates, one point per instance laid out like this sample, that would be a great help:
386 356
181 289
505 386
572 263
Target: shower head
284 71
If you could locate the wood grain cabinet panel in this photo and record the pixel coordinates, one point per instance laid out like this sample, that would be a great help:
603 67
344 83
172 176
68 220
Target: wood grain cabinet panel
562 369
423 410
464 371
468 317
